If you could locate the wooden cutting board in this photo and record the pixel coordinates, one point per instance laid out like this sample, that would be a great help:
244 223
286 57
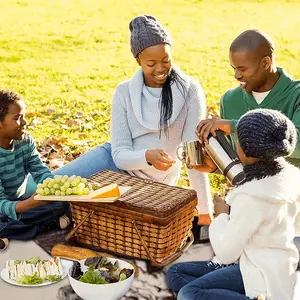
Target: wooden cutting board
86 198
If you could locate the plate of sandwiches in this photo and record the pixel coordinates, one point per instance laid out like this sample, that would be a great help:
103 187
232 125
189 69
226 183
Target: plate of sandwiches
34 272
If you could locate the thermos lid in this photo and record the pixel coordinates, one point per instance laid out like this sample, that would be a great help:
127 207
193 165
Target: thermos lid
238 179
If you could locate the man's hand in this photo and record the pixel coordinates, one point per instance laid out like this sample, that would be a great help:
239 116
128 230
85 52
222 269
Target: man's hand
220 206
159 159
207 166
205 127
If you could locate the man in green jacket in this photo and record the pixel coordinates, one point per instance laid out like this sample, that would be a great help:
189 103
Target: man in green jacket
262 85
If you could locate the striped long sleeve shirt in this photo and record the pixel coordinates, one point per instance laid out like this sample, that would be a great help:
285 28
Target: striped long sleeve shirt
15 165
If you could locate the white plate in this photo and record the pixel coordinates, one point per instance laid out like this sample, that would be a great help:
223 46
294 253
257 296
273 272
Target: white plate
75 198
65 267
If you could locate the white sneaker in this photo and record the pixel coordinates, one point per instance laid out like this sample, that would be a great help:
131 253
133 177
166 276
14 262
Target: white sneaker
64 222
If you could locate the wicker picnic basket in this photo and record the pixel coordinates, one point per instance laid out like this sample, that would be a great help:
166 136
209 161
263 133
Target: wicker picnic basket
151 221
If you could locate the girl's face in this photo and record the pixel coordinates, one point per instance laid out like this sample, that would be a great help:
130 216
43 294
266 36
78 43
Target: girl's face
245 160
156 62
14 124
240 153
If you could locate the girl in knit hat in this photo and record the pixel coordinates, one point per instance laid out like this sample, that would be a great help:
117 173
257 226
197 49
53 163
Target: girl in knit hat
255 254
152 114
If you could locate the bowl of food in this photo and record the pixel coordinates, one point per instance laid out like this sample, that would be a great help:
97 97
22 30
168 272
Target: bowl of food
107 278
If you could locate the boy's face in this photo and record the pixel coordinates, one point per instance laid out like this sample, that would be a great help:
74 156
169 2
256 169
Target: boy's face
14 124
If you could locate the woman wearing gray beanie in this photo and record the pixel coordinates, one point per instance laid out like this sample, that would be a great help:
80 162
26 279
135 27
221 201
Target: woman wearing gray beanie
152 114
255 256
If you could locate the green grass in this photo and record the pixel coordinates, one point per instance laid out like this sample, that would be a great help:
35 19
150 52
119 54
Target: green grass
70 54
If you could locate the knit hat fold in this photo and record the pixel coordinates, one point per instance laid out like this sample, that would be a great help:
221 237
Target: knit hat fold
146 31
266 133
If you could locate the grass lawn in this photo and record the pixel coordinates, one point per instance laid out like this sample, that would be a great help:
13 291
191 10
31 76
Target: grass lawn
66 56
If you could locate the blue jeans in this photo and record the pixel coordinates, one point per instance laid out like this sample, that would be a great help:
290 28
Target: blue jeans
94 161
33 222
206 280
297 243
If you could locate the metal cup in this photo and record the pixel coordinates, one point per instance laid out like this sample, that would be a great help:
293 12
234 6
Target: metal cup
193 153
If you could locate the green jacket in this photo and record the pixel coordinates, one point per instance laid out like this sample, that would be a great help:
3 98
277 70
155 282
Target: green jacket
284 96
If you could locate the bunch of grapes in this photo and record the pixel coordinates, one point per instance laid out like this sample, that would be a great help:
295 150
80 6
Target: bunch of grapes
63 186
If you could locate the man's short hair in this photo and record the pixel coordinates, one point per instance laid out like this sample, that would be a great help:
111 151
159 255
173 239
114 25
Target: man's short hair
254 40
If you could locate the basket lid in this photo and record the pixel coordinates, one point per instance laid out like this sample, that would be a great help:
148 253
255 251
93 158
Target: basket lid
146 196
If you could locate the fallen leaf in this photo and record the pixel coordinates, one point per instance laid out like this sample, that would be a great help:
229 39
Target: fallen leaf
78 143
78 115
83 136
34 122
88 125
50 111
75 122
55 163
33 114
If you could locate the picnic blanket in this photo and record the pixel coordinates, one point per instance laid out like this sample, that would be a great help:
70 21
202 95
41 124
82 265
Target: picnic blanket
149 285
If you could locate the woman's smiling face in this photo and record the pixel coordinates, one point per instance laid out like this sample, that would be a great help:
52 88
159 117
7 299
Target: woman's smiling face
156 62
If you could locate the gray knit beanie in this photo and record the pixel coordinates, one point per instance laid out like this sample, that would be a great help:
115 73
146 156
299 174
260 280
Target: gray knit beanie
266 133
146 31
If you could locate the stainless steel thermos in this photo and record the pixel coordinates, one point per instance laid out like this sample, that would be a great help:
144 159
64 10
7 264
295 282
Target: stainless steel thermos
226 159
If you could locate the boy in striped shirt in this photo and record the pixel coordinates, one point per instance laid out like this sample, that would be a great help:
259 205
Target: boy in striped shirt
22 217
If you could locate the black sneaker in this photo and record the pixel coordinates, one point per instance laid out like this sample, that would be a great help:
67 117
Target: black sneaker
200 232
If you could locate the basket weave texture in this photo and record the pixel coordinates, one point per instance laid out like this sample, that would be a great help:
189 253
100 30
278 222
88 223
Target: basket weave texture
151 221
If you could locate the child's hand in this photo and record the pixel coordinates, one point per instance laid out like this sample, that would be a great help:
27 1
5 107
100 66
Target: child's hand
30 203
220 206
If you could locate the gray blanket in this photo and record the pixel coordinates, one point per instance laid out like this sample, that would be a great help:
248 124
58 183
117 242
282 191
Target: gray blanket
145 287
150 286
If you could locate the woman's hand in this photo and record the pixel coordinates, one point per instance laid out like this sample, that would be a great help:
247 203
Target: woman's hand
159 159
205 127
220 206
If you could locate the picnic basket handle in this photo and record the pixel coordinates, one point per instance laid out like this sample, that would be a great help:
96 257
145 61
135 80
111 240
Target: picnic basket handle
171 258
73 231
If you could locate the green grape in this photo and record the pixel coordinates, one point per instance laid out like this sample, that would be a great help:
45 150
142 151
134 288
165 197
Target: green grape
56 186
65 178
80 192
67 184
57 178
69 191
40 191
84 181
95 186
81 185
47 180
74 183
